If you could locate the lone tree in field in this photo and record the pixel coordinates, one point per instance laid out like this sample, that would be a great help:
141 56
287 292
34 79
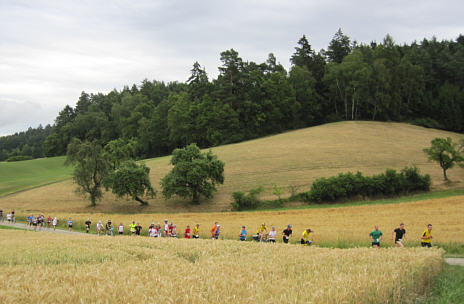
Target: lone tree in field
446 153
131 179
194 174
91 167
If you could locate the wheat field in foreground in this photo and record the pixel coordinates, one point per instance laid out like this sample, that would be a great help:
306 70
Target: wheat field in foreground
291 160
333 225
52 268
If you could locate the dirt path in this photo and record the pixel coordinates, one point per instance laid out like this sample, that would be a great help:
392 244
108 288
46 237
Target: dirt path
455 261
24 226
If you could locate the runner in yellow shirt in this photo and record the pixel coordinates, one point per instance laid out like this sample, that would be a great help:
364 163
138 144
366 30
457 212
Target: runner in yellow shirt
305 237
262 232
196 231
426 239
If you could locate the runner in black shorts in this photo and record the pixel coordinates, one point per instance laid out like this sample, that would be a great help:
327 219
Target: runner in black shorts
87 225
400 235
287 233
34 223
376 236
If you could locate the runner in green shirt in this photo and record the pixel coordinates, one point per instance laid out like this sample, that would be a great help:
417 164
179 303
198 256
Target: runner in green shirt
376 236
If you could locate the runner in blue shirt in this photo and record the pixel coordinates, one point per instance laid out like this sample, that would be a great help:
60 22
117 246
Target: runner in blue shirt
70 224
243 234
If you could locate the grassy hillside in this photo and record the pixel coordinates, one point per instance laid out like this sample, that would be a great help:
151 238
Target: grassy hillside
291 160
18 176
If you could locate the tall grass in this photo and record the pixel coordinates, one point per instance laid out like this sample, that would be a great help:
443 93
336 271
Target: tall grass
52 268
447 287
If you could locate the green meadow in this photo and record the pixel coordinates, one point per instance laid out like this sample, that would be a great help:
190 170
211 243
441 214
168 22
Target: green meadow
19 176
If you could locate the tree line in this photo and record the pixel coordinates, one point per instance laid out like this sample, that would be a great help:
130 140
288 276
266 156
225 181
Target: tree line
420 83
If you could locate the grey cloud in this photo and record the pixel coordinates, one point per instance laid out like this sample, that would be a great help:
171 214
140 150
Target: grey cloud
52 50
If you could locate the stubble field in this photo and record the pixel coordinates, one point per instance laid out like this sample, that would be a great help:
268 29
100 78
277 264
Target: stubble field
52 268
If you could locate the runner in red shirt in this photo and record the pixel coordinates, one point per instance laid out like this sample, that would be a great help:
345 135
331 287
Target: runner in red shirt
187 232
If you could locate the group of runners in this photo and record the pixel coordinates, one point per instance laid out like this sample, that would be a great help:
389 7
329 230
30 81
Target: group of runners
10 217
399 236
39 222
169 229
262 235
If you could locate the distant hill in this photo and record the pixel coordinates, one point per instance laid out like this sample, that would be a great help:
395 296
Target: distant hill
289 160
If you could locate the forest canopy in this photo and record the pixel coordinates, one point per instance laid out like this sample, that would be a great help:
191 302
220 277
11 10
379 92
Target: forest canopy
420 83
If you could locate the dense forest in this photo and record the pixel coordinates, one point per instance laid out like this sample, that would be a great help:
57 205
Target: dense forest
420 83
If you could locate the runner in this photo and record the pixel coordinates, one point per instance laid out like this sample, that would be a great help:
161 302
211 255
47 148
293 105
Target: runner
166 229
152 225
187 232
213 231
286 234
170 229
152 231
158 228
196 231
109 228
1 215
262 232
13 217
8 218
217 232
40 221
99 228
305 237
54 223
426 238
243 234
70 224
400 235
87 225
173 230
49 221
132 228
29 220
121 229
34 223
272 235
376 236
138 229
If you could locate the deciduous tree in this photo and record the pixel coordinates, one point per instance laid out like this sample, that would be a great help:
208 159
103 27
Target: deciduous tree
445 152
194 174
91 167
131 179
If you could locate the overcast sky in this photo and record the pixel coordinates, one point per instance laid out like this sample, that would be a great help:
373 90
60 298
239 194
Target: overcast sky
51 51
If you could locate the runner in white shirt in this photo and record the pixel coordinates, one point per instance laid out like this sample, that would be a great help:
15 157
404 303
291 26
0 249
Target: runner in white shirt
166 228
8 217
153 232
54 223
121 229
99 227
272 235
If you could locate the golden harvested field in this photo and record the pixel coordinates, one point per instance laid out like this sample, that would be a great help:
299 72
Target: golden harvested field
292 159
52 268
331 225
